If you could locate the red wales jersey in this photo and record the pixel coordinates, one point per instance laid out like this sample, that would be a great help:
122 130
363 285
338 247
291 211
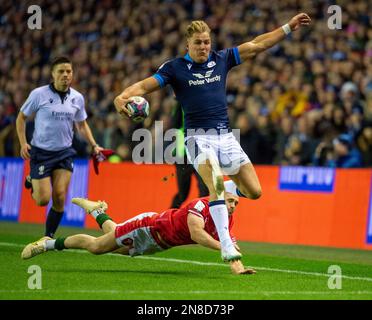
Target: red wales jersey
172 223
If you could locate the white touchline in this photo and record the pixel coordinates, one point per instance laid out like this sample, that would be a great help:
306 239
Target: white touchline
318 274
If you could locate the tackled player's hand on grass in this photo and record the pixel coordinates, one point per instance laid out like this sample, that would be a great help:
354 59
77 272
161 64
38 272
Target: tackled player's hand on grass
238 268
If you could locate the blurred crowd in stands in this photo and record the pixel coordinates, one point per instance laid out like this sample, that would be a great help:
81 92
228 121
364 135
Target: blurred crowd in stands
306 101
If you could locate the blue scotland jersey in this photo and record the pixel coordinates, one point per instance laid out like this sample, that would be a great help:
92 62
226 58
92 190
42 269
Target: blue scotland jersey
200 88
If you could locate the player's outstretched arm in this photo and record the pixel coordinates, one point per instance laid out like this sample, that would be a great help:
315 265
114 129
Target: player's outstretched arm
199 235
140 88
265 41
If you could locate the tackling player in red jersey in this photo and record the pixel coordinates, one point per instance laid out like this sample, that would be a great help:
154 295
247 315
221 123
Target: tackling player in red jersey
146 233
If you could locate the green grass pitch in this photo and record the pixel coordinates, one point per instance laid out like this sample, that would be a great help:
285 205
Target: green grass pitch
188 273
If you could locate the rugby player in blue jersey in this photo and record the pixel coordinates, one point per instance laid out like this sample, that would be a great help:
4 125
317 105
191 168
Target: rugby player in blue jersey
56 107
199 83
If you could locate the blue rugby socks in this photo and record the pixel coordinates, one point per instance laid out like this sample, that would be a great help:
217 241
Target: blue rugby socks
53 220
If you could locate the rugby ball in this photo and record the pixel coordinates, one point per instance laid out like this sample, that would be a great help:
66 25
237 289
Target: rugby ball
139 108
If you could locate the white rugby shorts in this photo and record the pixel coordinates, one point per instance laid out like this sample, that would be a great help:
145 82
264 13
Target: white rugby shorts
136 234
223 148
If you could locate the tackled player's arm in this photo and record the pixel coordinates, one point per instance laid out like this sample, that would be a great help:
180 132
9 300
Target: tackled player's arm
199 235
265 41
140 88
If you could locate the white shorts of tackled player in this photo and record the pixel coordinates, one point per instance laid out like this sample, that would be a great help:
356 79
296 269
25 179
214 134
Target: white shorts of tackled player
157 146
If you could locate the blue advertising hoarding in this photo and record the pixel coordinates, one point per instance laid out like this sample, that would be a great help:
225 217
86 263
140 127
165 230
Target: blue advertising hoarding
11 183
307 179
11 188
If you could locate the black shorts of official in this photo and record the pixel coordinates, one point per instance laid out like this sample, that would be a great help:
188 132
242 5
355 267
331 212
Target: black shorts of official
43 162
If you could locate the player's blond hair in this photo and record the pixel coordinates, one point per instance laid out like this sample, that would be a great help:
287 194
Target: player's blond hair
196 26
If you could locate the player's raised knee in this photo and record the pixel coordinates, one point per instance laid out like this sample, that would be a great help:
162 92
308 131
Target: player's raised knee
256 194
